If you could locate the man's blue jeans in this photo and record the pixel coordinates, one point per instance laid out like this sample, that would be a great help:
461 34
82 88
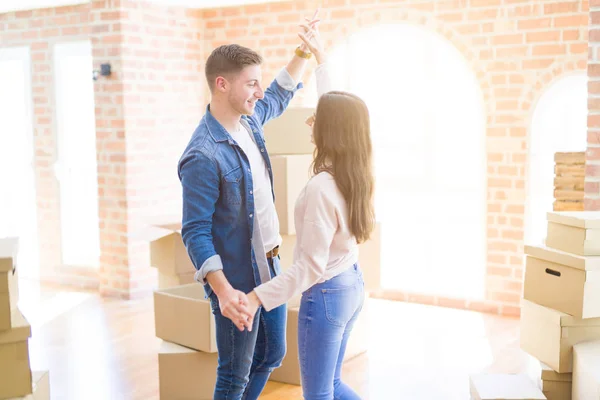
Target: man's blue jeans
328 312
246 359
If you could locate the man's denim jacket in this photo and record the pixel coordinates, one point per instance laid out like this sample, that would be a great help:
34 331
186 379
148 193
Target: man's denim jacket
218 207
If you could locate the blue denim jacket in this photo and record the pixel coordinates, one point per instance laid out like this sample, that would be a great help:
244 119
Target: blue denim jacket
218 208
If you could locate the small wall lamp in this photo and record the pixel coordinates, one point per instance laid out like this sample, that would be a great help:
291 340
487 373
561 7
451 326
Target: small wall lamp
103 71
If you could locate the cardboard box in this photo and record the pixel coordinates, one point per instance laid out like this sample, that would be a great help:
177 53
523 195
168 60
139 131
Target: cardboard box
183 316
369 260
166 281
9 293
563 281
586 370
290 175
41 387
167 251
575 232
289 133
15 371
186 374
549 335
503 386
556 386
289 371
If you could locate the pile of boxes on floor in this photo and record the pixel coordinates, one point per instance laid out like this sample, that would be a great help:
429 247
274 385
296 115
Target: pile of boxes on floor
16 378
560 312
183 317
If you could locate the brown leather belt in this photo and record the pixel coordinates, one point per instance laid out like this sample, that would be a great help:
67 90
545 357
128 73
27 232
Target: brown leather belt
273 253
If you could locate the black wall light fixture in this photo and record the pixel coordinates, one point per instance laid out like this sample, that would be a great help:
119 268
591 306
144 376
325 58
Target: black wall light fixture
103 71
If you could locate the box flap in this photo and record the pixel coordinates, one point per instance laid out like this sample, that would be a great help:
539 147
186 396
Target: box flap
548 374
172 348
580 219
504 386
21 330
190 291
557 317
150 233
586 263
9 247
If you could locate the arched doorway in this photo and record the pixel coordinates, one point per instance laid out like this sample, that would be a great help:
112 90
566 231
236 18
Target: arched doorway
559 124
428 127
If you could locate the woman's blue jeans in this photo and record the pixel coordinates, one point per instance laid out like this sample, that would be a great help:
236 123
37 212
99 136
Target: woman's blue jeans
328 312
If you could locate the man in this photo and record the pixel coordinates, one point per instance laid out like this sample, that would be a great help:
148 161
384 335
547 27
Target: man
230 227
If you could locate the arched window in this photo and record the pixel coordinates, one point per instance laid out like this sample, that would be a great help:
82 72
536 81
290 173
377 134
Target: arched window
559 124
429 137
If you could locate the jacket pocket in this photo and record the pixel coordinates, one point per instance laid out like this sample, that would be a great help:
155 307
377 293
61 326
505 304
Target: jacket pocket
232 186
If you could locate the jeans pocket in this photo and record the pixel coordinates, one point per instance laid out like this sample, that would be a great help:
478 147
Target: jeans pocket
340 304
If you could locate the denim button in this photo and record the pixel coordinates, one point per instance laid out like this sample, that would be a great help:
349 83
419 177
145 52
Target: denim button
262 150
251 215
251 192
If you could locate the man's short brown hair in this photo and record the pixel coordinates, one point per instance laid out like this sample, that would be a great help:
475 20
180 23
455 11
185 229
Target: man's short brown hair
229 59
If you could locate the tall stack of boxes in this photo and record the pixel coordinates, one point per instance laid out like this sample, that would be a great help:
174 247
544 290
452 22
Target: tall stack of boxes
569 177
561 305
16 378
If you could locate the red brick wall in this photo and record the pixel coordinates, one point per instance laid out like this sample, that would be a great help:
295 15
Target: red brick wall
592 161
145 116
516 49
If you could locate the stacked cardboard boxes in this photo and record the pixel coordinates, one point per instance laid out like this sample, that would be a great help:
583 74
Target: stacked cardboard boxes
569 171
561 303
16 378
187 358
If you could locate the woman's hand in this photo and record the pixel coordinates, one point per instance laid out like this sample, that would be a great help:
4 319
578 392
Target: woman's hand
312 41
253 305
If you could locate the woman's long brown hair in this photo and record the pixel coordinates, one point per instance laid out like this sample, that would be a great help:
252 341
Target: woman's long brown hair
342 136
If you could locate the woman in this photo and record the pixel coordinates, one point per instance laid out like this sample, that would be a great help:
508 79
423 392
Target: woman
333 213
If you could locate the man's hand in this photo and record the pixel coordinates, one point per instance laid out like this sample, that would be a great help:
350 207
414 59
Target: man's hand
234 305
253 304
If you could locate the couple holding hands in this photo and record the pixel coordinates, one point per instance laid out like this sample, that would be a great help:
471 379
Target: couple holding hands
231 230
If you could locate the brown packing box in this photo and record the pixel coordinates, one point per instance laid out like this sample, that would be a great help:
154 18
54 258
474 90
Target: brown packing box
9 294
575 232
290 175
167 251
167 280
41 387
504 386
556 386
369 259
186 374
289 371
15 370
183 316
549 335
289 133
586 371
563 281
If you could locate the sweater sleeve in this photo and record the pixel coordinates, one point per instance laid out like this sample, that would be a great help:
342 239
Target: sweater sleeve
319 224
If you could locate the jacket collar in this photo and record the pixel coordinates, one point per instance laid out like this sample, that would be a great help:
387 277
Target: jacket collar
215 129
